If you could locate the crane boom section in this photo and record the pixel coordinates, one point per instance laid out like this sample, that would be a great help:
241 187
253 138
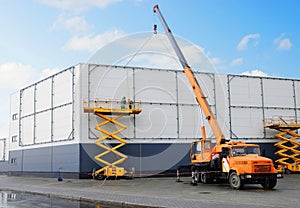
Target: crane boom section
201 99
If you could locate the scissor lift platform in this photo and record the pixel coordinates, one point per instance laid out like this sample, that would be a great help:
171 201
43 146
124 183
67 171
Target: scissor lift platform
289 145
110 111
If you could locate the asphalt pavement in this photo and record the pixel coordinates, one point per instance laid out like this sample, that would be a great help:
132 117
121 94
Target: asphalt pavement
158 192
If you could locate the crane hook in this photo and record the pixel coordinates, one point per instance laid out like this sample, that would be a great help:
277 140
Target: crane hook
155 29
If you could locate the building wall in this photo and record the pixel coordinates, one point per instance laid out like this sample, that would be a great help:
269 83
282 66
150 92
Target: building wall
48 128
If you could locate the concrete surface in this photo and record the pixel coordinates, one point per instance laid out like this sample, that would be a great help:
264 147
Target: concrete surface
159 192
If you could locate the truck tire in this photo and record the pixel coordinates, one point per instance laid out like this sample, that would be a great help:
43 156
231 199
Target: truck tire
205 179
269 183
235 181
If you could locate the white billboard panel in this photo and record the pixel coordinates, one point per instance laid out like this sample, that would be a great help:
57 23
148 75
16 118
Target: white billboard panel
297 94
247 122
62 88
110 82
2 150
62 123
245 91
27 130
43 95
190 121
43 127
155 86
207 84
278 93
185 91
157 121
27 101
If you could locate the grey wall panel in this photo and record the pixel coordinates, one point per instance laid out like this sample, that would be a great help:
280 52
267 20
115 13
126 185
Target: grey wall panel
278 93
37 159
246 91
157 121
247 122
155 86
66 157
18 164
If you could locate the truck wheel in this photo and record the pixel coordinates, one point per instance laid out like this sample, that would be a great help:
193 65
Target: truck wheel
269 183
205 179
235 181
197 176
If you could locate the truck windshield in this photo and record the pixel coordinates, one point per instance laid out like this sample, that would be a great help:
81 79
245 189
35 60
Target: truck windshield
238 151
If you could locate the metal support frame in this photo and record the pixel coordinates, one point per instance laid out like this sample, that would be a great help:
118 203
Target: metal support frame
263 106
51 109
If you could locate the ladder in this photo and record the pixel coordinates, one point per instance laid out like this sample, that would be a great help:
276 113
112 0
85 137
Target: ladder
289 151
110 111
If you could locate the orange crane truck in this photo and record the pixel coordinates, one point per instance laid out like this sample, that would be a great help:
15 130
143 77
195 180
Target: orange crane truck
238 163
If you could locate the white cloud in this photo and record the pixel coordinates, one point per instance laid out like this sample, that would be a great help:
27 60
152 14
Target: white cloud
283 43
75 25
243 44
92 42
255 73
48 72
78 5
237 62
14 75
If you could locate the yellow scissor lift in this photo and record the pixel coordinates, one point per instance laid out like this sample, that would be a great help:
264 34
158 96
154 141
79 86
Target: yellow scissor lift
289 144
110 111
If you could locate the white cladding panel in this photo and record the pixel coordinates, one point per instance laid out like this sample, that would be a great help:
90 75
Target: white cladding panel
46 110
297 94
108 82
27 130
247 122
155 86
43 127
157 121
207 84
245 91
2 149
62 88
278 93
27 101
43 95
189 115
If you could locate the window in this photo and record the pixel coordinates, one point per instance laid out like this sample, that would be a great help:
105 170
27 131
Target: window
14 116
14 138
13 160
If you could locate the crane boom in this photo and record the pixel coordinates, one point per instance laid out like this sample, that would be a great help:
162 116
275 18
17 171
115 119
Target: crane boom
200 97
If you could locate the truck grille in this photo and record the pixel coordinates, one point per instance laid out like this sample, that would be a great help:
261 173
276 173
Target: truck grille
262 168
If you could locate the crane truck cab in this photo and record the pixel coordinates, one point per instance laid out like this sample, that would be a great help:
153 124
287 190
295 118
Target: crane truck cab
238 163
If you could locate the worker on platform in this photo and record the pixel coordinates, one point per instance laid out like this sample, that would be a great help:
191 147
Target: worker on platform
123 102
130 103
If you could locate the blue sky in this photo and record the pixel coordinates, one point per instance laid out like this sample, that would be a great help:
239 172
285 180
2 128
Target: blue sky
40 37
